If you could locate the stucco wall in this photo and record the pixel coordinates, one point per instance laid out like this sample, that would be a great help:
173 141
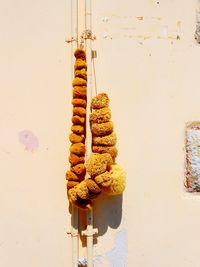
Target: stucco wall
148 62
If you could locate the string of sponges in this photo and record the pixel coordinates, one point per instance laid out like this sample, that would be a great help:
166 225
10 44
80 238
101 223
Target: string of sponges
105 174
77 171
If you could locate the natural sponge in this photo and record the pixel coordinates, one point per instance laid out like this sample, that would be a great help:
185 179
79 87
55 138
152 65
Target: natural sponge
80 64
100 115
99 129
71 176
112 150
92 186
71 184
78 120
79 82
118 181
78 129
100 101
98 163
81 74
75 138
108 140
80 92
78 169
82 190
72 195
103 179
80 53
78 149
75 159
79 102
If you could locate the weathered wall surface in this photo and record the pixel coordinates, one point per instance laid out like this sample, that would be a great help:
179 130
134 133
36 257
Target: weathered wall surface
148 61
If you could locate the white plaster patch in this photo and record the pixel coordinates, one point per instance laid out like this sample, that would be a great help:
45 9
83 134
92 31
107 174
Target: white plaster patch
192 157
117 257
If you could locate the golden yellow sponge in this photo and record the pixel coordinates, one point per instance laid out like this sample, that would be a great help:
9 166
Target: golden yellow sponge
100 101
82 190
103 179
72 195
92 186
98 163
107 140
112 150
100 115
100 129
118 181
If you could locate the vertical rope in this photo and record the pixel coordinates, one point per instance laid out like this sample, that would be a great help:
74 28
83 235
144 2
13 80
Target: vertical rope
95 79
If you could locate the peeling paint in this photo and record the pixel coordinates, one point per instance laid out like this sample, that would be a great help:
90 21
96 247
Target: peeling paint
140 18
140 26
192 157
197 33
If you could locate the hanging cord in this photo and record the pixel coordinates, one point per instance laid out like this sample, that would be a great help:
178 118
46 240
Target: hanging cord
87 34
94 55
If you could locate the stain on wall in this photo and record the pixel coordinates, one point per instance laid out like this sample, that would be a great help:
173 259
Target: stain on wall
29 140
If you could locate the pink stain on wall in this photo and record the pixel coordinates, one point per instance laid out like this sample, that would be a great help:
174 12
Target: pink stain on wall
29 140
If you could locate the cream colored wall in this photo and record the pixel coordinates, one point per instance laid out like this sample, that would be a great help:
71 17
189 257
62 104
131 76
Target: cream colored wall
152 79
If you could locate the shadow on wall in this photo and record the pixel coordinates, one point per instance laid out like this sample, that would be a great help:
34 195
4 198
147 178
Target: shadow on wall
107 212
